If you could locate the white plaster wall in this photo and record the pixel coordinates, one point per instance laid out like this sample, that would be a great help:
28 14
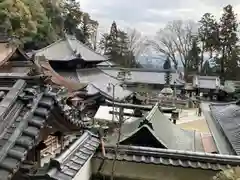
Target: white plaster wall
86 171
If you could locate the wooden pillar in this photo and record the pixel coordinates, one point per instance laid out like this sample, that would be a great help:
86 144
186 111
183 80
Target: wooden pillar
37 152
62 142
38 157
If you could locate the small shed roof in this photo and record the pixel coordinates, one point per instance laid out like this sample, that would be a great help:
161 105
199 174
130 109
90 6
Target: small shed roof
206 82
103 114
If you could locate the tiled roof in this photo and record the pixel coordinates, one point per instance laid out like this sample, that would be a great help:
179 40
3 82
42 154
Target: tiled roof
23 114
6 52
146 76
55 78
163 130
227 117
86 53
98 80
219 137
24 110
70 161
168 157
67 49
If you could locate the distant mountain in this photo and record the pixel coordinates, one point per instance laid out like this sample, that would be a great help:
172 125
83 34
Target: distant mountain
156 62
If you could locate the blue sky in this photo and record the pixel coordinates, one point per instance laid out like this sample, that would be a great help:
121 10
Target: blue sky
147 16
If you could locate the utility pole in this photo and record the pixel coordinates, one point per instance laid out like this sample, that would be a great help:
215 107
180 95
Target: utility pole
122 75
121 110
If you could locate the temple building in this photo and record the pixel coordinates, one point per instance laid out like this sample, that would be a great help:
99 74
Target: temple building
49 105
69 53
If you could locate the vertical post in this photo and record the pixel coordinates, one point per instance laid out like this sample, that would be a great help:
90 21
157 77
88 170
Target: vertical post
174 92
61 141
121 110
38 157
113 105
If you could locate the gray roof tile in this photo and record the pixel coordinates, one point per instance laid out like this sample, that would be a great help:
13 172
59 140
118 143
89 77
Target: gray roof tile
20 136
227 117
24 113
71 160
196 160
68 49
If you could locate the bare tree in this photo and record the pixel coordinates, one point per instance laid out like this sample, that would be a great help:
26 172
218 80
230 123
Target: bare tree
136 42
175 40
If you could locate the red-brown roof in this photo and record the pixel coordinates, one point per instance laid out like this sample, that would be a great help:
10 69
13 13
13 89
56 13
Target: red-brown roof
56 78
208 143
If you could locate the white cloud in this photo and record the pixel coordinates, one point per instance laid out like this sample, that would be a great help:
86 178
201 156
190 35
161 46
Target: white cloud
149 15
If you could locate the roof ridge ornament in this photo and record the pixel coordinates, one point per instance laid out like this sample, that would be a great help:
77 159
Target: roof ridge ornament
146 122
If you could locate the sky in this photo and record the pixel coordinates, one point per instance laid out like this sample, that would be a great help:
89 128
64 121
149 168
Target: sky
148 16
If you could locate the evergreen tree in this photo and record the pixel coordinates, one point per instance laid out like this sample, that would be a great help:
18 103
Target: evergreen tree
193 56
117 46
208 35
123 51
228 41
111 49
167 68
232 67
207 70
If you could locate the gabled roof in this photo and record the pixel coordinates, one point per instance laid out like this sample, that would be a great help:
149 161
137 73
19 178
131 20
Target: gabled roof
227 119
7 50
67 49
145 76
159 127
70 161
98 82
167 157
